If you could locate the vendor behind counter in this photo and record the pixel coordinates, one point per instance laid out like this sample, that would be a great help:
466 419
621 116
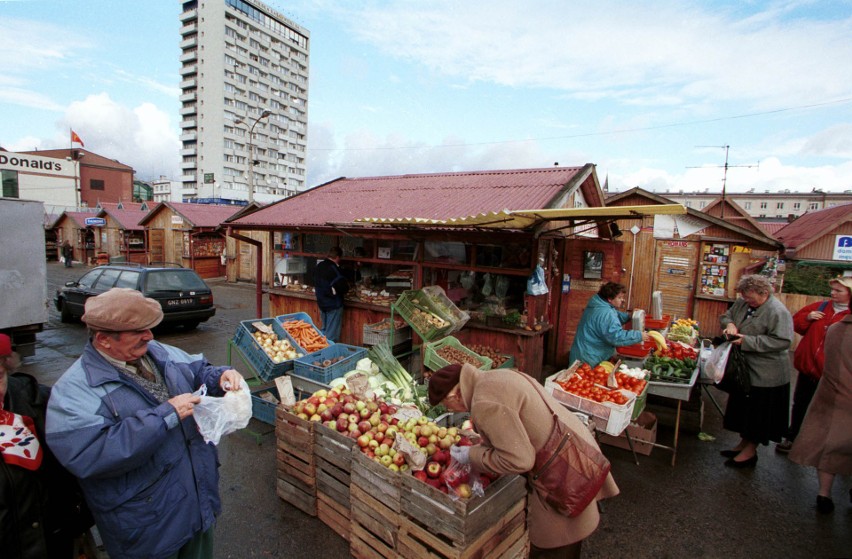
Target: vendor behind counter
601 328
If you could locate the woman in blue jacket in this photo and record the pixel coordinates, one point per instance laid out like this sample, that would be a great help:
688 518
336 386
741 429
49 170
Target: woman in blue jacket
601 327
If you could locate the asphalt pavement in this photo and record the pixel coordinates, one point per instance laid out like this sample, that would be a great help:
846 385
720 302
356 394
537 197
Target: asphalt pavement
696 508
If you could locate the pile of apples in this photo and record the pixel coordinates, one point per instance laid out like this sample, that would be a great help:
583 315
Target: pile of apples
373 426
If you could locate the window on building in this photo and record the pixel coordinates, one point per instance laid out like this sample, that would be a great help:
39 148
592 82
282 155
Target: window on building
701 204
779 206
764 205
96 184
747 206
797 205
812 206
10 183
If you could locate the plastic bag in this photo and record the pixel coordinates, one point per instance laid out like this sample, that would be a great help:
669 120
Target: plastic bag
536 284
487 287
718 360
501 286
220 416
462 482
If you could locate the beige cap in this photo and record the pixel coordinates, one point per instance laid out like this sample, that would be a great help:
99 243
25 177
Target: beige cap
845 281
121 309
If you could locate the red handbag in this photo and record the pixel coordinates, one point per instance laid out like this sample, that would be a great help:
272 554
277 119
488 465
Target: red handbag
569 471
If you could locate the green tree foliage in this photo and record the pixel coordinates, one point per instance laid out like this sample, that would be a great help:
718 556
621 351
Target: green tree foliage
808 280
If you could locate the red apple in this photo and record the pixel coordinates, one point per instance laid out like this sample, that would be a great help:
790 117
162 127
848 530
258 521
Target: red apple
382 427
422 441
314 400
364 426
399 459
433 469
309 408
383 408
352 427
326 415
421 475
365 413
379 436
436 483
337 409
363 441
349 407
342 424
441 457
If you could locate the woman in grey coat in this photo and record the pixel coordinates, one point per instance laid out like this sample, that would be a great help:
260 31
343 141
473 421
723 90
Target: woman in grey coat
763 329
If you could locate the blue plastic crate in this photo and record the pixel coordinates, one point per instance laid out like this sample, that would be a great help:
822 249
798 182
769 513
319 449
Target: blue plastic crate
257 358
264 410
282 318
304 366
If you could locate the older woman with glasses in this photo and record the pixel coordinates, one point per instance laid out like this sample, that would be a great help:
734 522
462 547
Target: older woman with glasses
762 327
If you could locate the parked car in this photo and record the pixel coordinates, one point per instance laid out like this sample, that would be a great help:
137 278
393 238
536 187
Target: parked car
185 298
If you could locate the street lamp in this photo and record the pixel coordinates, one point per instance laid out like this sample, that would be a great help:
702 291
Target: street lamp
263 114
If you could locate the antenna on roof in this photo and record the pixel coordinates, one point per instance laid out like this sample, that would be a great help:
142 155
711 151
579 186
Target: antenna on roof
724 174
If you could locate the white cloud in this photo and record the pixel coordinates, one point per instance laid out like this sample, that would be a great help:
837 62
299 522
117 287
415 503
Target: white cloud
140 137
670 54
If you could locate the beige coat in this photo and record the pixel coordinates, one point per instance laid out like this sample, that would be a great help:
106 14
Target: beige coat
825 440
512 417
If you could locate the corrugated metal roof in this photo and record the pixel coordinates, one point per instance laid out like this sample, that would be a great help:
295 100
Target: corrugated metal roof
522 219
128 218
813 225
79 218
771 227
429 196
204 215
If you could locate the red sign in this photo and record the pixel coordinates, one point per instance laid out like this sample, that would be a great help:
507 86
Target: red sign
682 244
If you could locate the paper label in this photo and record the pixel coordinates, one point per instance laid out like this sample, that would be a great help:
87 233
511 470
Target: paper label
415 459
284 384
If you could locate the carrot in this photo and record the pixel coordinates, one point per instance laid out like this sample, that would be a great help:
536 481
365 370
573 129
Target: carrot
305 335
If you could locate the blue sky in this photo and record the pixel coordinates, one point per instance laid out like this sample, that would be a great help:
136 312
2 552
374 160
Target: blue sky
641 89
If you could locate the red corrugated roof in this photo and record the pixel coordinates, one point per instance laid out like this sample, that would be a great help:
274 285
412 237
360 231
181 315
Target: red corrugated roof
80 217
433 196
771 227
813 225
204 215
128 218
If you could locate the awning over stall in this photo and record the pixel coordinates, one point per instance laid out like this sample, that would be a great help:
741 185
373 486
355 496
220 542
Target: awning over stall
526 219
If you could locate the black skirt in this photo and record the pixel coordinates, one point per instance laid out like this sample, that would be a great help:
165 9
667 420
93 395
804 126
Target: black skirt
760 416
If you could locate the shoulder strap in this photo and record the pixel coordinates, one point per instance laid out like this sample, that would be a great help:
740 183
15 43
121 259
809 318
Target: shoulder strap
823 305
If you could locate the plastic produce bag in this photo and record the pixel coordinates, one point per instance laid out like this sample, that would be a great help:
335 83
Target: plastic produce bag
716 363
220 416
487 287
501 286
462 481
536 284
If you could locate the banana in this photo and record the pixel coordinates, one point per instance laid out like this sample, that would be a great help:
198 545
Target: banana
607 365
659 340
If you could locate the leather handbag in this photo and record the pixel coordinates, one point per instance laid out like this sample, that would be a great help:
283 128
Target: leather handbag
569 471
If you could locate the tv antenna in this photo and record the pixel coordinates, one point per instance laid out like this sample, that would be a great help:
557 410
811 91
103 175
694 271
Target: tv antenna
726 166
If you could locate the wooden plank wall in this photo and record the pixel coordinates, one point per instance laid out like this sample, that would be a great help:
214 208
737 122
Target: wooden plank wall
823 247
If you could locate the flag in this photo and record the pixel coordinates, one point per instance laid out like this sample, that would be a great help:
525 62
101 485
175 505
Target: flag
76 138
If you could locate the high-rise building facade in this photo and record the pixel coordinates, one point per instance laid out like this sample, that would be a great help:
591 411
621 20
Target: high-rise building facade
244 98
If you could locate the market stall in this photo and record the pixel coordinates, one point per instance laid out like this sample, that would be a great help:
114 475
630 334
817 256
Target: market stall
694 260
483 258
189 235
121 237
73 227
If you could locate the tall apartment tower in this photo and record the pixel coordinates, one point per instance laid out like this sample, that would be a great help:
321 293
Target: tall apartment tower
244 98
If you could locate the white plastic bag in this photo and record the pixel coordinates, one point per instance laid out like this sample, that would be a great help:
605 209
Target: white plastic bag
715 366
536 285
220 416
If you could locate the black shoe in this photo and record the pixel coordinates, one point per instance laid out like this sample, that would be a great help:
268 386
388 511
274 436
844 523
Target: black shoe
729 453
750 463
784 446
824 504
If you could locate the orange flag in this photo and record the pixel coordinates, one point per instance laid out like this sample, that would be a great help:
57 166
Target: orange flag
76 138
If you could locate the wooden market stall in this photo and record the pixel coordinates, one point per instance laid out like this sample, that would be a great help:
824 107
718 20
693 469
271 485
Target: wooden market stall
189 235
121 237
694 260
450 230
72 227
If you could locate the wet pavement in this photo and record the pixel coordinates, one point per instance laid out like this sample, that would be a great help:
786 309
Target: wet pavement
697 508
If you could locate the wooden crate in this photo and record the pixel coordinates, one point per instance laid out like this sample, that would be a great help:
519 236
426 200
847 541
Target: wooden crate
458 522
377 480
333 514
373 528
504 537
295 463
333 457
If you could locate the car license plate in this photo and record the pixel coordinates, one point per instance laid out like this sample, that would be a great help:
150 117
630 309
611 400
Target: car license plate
179 302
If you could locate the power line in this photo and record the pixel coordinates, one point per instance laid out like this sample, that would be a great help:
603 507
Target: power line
601 133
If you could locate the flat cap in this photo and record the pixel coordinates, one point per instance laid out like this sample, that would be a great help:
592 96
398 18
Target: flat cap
121 309
442 382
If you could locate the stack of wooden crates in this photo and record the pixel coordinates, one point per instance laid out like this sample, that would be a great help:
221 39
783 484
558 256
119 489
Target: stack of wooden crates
390 515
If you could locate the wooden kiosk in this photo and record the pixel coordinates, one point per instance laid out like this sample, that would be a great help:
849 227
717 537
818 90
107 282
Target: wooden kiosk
121 237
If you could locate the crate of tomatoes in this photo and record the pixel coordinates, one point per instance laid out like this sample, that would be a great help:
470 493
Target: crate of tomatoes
583 388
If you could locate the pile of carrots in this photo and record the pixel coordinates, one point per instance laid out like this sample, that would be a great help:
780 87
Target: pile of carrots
305 335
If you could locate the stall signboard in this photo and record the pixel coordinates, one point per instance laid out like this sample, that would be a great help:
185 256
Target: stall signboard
842 248
95 222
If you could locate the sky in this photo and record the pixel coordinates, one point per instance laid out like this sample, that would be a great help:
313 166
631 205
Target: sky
649 92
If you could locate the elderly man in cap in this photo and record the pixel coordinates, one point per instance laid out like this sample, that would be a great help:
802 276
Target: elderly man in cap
120 419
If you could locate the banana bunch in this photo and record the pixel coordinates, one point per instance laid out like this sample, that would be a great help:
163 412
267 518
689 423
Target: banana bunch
659 340
607 365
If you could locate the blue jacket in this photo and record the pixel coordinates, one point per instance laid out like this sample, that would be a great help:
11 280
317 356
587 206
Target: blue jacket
150 479
600 332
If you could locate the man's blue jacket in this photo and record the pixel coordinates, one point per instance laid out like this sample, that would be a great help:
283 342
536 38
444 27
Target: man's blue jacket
150 479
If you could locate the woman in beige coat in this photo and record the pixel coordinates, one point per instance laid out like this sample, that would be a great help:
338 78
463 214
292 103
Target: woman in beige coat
825 440
509 412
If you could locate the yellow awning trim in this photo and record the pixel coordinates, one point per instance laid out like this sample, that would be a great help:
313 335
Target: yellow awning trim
523 219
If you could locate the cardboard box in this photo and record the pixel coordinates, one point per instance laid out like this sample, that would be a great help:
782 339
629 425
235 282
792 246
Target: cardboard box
642 431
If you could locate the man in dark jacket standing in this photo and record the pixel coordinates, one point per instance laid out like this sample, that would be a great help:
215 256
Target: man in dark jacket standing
121 420
330 286
41 506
